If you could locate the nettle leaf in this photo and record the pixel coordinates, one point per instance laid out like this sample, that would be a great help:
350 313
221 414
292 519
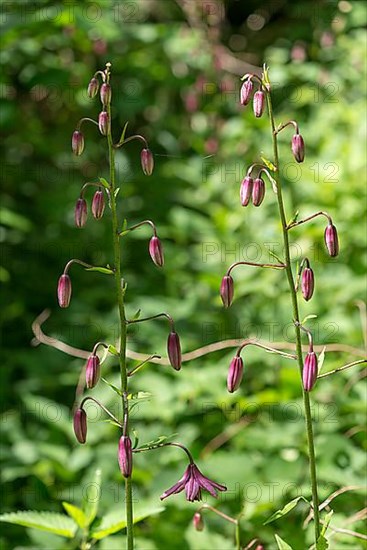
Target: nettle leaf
112 522
269 164
105 270
285 510
157 442
91 496
76 514
59 524
282 545
104 183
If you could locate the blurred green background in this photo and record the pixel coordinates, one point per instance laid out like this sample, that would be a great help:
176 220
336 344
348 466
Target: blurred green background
175 78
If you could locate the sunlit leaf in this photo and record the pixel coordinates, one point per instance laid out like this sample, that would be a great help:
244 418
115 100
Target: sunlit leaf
58 524
76 514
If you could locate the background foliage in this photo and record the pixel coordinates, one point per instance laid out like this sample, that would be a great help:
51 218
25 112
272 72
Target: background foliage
175 78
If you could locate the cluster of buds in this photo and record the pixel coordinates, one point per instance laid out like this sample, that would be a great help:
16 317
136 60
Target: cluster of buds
81 208
258 102
253 190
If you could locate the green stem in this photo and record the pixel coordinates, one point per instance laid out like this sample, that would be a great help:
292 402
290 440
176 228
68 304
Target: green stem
122 322
288 269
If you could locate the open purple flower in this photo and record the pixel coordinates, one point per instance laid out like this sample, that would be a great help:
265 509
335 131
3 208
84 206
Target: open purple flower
193 481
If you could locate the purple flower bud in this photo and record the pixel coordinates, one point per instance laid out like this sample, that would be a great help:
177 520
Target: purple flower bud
331 240
298 147
77 143
198 521
246 91
156 251
80 425
227 290
235 374
64 290
309 374
259 103
104 123
92 371
258 191
105 94
93 87
147 161
307 283
246 190
174 350
80 212
125 456
98 204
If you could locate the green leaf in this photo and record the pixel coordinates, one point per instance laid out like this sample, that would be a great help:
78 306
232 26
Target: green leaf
91 495
139 396
276 257
104 270
285 510
122 138
268 164
113 522
59 524
282 545
157 442
321 359
311 316
322 543
294 219
137 315
104 183
76 514
117 190
113 387
111 349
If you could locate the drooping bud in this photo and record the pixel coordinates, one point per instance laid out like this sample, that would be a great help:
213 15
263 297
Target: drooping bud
198 521
98 204
246 190
309 373
80 212
235 374
80 425
298 147
156 251
105 94
227 290
246 91
64 290
259 103
77 143
331 240
174 350
92 371
125 456
307 283
104 123
147 161
258 191
93 87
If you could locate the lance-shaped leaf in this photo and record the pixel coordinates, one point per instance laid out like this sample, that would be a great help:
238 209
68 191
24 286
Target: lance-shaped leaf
157 442
269 164
285 510
282 545
113 387
104 183
105 270
76 514
58 524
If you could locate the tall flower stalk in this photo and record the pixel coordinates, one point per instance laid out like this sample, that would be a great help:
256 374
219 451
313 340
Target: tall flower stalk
249 192
193 482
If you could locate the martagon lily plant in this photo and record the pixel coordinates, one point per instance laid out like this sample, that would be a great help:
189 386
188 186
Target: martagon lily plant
193 481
